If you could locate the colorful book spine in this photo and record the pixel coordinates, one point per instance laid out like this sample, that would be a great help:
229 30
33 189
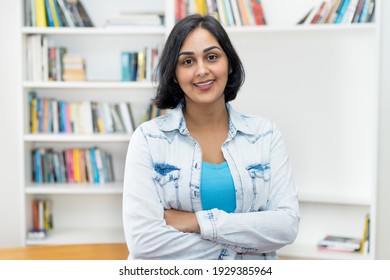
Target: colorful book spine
40 13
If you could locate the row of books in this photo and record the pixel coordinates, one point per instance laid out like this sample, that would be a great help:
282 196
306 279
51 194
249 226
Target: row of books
90 165
56 13
341 12
346 243
44 63
49 115
139 66
152 112
228 12
42 218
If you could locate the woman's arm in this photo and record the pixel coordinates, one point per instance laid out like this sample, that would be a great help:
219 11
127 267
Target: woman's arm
147 234
266 230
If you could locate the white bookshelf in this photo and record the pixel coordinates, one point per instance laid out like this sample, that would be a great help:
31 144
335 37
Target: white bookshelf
319 83
88 213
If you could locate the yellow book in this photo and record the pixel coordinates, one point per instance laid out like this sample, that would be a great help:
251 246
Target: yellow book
141 66
201 7
76 164
40 13
34 116
46 214
364 241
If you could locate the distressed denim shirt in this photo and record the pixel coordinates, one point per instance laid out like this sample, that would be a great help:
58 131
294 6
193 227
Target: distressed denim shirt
162 171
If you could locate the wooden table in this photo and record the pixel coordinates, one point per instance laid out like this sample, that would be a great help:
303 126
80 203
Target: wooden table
116 251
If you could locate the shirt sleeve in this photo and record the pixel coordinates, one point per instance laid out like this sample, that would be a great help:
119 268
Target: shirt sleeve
147 234
264 231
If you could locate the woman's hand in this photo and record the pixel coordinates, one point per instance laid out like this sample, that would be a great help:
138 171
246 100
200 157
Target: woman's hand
181 220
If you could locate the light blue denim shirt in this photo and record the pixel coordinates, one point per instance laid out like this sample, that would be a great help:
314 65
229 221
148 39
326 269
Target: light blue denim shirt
162 171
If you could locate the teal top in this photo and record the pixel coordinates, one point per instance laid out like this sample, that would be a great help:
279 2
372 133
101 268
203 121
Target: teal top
217 187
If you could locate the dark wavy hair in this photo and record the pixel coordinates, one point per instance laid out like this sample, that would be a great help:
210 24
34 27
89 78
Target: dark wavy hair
169 92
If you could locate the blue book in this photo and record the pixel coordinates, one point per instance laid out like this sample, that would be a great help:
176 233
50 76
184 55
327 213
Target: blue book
38 166
40 114
341 13
95 170
62 116
125 63
364 12
57 11
49 16
133 65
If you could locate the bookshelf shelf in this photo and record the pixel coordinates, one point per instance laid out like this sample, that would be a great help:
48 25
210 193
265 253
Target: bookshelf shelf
95 31
80 236
90 189
77 138
310 251
89 85
301 28
334 198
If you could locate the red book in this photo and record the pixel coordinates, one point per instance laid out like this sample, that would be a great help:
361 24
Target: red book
258 12
319 13
35 215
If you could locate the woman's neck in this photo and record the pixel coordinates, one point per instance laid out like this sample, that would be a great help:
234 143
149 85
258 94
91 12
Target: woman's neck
206 116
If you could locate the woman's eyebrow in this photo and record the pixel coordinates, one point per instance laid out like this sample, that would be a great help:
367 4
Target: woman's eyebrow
205 50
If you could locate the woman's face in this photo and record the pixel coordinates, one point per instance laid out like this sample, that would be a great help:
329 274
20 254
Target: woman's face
202 68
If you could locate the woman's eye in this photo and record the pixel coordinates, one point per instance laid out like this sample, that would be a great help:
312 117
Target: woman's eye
212 57
187 61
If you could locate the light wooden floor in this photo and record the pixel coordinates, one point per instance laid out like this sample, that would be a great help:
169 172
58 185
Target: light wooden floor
117 251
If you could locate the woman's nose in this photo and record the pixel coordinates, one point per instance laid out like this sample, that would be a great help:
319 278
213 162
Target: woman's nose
202 69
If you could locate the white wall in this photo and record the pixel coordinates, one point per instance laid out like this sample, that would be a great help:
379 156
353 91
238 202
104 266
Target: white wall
9 136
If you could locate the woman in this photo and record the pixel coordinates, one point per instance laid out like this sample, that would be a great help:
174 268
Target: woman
203 181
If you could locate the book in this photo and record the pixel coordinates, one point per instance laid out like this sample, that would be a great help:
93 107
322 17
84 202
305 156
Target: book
125 63
358 11
333 11
40 13
73 68
37 234
126 117
85 18
236 12
320 13
49 14
371 11
67 15
365 241
342 243
349 13
55 13
341 12
258 12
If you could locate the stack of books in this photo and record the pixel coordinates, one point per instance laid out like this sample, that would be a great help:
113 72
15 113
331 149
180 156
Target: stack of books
340 243
74 68
347 243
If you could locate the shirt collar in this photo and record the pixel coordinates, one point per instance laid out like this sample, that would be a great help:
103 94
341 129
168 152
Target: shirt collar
174 120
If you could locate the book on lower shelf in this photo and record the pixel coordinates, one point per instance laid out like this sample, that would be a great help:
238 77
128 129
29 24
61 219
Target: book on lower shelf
347 243
42 219
340 243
